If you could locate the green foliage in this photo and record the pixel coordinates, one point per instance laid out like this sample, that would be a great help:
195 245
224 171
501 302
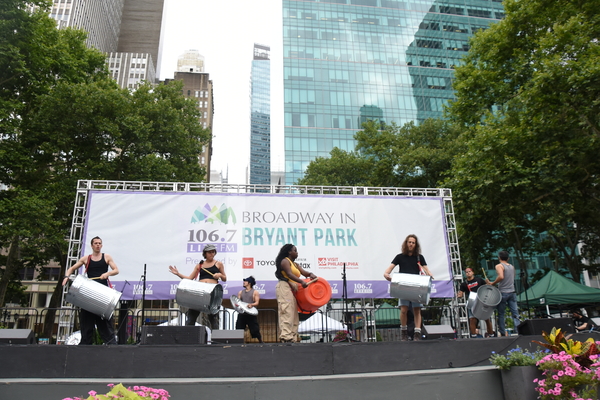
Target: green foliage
342 168
121 392
527 97
516 357
62 118
408 156
557 342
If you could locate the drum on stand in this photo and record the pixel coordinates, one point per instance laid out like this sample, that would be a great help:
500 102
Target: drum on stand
242 307
201 296
93 296
415 288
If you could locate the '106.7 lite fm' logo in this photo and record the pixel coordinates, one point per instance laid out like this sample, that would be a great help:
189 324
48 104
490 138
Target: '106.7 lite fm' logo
223 239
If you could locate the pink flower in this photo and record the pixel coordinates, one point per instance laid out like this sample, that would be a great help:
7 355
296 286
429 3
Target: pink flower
92 393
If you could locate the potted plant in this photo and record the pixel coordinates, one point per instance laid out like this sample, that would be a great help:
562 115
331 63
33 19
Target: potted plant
571 370
120 392
519 371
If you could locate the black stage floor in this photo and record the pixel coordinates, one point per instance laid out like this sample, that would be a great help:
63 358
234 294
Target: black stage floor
266 360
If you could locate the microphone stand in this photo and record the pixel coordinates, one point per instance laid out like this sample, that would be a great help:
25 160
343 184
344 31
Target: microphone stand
123 309
143 303
345 300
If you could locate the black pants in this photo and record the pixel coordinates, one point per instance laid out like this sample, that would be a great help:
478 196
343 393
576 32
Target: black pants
89 322
252 322
210 320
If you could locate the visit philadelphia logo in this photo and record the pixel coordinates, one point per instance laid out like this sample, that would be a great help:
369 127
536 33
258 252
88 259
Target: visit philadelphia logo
212 214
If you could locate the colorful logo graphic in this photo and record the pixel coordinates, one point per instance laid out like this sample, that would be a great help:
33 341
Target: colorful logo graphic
211 214
322 261
248 263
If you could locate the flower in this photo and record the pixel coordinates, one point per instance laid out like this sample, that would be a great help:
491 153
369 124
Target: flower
340 336
571 371
136 393
516 357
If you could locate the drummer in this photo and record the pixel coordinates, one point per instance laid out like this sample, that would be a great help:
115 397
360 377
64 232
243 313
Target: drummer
470 286
288 273
97 268
251 297
210 271
411 261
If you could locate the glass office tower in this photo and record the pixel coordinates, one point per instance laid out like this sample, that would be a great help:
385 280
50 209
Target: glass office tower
347 61
260 117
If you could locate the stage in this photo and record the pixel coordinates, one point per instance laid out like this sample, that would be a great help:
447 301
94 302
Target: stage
429 369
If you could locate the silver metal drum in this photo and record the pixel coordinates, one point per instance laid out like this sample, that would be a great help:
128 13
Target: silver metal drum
242 307
93 296
488 297
416 288
200 296
471 300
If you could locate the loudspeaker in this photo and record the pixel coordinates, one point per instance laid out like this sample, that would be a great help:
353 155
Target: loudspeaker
438 331
173 335
228 336
16 336
536 326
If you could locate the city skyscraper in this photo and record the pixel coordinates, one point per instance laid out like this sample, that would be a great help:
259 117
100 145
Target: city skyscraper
190 61
346 61
127 30
100 19
199 87
260 116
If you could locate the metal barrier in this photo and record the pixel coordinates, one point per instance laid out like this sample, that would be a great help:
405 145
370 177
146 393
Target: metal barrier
322 327
18 318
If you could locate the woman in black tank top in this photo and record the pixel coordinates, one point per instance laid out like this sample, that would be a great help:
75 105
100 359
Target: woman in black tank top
209 271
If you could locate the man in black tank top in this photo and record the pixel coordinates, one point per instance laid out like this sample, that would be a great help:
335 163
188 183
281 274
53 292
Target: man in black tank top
97 267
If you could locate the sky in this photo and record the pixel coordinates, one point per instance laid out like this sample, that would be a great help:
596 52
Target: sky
224 32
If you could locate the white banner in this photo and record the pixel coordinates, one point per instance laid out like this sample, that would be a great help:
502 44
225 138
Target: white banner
158 229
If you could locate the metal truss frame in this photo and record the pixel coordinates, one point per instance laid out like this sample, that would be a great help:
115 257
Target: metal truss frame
458 306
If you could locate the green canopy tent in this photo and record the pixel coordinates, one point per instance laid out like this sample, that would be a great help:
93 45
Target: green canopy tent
385 316
556 289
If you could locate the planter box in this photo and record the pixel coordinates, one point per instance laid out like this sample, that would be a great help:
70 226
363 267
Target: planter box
518 384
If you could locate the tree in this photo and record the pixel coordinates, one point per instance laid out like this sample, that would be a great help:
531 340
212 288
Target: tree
528 97
408 156
62 119
342 168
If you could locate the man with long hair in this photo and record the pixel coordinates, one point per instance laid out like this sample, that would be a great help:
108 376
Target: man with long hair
410 261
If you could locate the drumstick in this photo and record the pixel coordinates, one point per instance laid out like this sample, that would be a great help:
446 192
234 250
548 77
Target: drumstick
314 280
484 274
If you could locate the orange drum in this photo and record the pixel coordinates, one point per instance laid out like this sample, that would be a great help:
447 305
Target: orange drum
314 296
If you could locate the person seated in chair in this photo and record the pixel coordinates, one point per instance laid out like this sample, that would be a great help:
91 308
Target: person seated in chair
582 323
